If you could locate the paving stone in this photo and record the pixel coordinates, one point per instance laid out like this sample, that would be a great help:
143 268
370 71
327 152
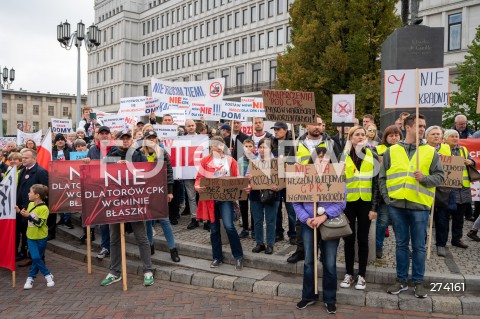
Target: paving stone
290 290
164 273
203 279
407 301
224 282
470 305
472 284
381 300
265 287
350 297
183 276
244 284
451 305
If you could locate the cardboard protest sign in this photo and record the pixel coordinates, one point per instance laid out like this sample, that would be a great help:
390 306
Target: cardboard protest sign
289 106
453 171
315 183
115 122
22 137
224 189
5 140
119 193
185 154
232 111
178 102
165 130
433 90
133 106
264 174
62 126
76 156
343 108
252 107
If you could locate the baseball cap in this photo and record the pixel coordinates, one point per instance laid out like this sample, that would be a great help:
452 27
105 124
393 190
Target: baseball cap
124 133
226 127
280 125
104 129
149 133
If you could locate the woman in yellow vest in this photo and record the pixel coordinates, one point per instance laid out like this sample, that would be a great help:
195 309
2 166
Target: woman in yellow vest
391 136
362 201
463 196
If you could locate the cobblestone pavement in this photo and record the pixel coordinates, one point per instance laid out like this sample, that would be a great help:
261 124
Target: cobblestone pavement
458 260
79 295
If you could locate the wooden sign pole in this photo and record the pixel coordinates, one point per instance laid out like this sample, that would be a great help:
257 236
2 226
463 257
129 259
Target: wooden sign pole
89 253
430 231
315 257
13 279
417 137
124 256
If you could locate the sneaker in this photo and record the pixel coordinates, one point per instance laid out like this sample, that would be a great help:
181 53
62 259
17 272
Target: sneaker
50 282
441 251
331 307
148 279
305 303
215 263
193 224
379 253
361 284
103 253
347 281
239 263
110 279
243 234
472 234
397 287
419 290
28 283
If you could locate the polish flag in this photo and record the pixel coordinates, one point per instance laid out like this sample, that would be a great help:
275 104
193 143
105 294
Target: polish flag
45 151
8 194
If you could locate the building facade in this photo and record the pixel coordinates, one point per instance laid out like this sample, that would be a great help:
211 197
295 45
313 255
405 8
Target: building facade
185 40
31 112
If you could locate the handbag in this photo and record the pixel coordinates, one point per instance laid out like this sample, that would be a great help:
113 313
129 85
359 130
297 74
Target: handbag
268 196
473 174
335 228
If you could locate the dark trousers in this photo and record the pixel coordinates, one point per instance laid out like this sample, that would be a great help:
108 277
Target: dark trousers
476 212
244 212
299 237
174 205
457 221
442 224
52 225
357 214
469 211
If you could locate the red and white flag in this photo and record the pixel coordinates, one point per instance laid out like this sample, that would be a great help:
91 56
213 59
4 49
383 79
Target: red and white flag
8 195
45 151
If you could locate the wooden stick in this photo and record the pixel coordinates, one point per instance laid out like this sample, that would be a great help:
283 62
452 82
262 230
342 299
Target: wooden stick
89 253
294 139
315 257
231 135
416 126
430 231
124 256
13 279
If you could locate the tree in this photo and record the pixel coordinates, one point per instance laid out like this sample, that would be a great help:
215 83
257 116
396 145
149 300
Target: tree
464 101
335 49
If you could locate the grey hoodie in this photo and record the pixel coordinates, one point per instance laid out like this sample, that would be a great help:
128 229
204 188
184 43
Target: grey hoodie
435 178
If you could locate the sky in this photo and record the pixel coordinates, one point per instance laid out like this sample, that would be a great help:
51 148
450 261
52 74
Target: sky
28 43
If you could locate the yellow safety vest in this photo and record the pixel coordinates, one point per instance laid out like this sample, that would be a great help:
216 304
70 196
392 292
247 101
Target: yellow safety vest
401 182
304 154
447 151
381 149
359 183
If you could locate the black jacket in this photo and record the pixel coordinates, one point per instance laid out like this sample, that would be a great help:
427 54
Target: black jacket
166 159
66 152
288 148
115 153
36 175
240 138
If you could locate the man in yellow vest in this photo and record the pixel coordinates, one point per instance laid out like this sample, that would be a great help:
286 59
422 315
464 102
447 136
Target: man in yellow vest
399 179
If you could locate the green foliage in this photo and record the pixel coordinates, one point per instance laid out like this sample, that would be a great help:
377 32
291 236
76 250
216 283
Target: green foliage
464 101
336 49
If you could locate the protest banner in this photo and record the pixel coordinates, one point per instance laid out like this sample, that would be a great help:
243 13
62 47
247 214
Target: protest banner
133 106
165 130
185 154
247 128
8 200
315 183
5 140
76 156
252 107
453 171
62 126
289 106
152 105
343 108
199 110
178 102
264 174
115 122
401 89
179 116
119 193
224 189
473 148
22 137
232 111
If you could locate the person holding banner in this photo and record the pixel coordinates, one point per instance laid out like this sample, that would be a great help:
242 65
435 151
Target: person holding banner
311 218
29 143
362 202
87 123
218 165
154 153
409 191
391 136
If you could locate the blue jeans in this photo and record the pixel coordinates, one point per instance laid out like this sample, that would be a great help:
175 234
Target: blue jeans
105 233
329 252
269 213
65 216
167 231
292 217
224 210
410 223
37 251
382 223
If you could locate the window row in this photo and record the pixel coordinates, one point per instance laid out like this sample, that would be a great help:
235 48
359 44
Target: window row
104 71
36 110
102 54
101 97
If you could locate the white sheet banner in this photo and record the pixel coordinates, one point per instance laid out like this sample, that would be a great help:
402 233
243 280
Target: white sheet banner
185 154
232 111
164 131
62 126
22 137
5 140
252 107
199 110
115 122
132 106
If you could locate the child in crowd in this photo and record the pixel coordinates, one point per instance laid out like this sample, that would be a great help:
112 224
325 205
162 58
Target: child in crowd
37 233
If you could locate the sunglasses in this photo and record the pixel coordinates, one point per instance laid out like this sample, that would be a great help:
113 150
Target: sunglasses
371 130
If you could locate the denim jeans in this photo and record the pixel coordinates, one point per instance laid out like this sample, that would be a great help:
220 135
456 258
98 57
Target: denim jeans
225 211
105 233
290 214
329 282
37 251
381 226
167 232
410 223
65 216
268 213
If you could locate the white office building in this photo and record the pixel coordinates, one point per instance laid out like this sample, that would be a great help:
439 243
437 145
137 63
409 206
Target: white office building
185 40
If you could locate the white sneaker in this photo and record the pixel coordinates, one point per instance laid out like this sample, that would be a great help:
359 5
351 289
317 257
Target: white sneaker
361 284
50 282
347 281
28 283
103 253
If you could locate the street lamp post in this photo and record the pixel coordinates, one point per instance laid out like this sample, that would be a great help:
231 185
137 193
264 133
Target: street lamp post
5 83
92 41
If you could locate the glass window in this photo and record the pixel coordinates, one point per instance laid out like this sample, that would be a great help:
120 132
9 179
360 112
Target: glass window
229 49
252 43
273 70
207 55
240 76
36 109
51 110
270 39
229 22
237 47
202 27
244 45
261 11
237 19
289 34
222 24
19 108
111 73
222 50
198 77
4 108
214 49
280 4
111 95
144 28
261 41
65 111
270 8
148 69
209 27
215 26
36 125
256 73
148 48
98 77
201 56
195 58
253 14
245 16
195 32
454 32
211 75
189 59
280 36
